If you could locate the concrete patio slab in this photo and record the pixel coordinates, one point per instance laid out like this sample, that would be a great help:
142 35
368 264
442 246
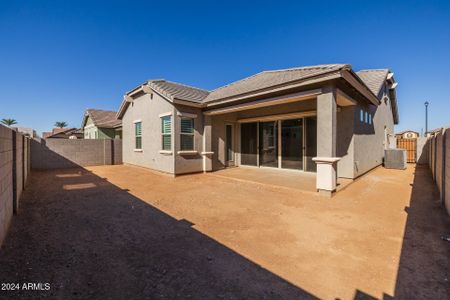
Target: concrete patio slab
294 179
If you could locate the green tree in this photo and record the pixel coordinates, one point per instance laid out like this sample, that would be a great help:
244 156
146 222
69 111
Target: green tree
9 122
60 124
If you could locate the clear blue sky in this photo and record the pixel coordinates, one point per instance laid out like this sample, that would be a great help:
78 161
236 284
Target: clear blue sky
59 58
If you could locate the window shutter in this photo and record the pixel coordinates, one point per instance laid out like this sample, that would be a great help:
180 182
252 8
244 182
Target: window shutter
187 134
138 135
166 130
187 125
138 129
166 142
186 142
166 124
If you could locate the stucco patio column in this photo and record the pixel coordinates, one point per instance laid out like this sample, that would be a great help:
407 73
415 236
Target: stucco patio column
326 159
207 144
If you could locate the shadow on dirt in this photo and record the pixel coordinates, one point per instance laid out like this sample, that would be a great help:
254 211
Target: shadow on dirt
424 270
90 239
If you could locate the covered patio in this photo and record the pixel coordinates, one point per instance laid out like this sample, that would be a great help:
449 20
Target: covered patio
288 140
303 181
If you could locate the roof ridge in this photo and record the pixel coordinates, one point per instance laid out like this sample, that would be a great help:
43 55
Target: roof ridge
306 68
182 84
99 109
373 70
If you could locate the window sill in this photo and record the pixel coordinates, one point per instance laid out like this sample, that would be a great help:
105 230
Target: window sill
137 150
207 153
187 152
166 152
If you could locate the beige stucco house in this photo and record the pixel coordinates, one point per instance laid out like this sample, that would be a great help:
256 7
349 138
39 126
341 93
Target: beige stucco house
327 119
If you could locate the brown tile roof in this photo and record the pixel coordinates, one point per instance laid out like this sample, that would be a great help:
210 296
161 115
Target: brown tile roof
103 118
374 79
267 79
260 82
179 91
57 131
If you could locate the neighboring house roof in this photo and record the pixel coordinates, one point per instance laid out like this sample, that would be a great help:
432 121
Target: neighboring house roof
367 82
102 118
61 132
374 79
267 79
406 131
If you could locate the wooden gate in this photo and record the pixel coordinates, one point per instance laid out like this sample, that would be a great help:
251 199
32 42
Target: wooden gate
410 145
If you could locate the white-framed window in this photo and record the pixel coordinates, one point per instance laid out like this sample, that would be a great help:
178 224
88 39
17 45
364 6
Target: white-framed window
186 134
366 117
370 118
361 116
166 133
138 135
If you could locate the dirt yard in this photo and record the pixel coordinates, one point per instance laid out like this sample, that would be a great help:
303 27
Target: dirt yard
122 232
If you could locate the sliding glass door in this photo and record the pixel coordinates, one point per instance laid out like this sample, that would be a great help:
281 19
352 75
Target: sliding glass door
287 144
268 144
249 144
292 144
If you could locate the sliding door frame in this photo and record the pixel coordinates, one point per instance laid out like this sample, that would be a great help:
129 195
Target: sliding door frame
279 119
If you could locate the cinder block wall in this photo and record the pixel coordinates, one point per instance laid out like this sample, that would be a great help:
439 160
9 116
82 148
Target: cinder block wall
117 152
66 153
6 180
18 168
439 163
14 168
422 150
447 170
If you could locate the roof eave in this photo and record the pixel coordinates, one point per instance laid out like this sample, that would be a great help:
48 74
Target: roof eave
188 103
148 88
85 116
354 80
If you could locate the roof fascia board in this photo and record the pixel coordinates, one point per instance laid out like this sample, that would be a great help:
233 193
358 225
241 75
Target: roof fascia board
83 123
188 103
162 95
300 96
123 106
352 78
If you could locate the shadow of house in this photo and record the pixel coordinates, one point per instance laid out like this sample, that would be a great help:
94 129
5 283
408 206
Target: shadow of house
424 262
90 239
